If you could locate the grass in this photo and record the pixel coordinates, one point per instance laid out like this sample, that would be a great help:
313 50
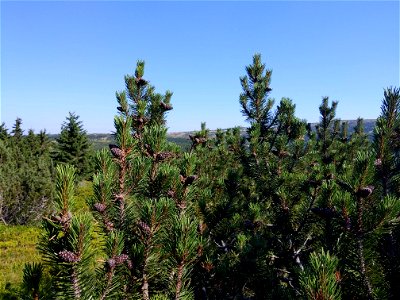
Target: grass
17 247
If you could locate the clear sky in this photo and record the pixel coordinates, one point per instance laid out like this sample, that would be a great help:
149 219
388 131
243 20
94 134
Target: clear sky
58 57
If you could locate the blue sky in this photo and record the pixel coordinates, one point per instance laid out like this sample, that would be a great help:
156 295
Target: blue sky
58 57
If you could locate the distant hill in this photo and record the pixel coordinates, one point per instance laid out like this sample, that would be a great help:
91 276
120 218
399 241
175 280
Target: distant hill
369 125
101 140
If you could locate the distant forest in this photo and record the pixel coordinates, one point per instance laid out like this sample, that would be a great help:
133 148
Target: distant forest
102 140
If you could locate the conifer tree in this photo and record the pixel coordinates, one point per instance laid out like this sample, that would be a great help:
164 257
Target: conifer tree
144 205
66 243
387 171
386 142
17 131
248 230
26 173
3 132
73 146
280 212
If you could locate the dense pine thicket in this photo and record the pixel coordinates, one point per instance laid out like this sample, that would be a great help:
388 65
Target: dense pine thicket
284 212
27 168
26 172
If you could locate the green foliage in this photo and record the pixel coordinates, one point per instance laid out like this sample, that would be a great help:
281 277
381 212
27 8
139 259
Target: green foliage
386 142
35 283
26 176
141 190
282 212
321 279
387 169
73 146
66 242
17 247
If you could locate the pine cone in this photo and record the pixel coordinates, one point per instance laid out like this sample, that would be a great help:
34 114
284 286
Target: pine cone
190 179
120 259
109 225
201 140
62 219
116 151
197 140
65 219
100 207
144 227
140 82
365 192
111 263
163 156
165 106
140 120
68 256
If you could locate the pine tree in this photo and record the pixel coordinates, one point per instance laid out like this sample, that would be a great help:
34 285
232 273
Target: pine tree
17 131
73 146
386 142
26 177
246 224
144 208
280 212
387 173
3 132
66 243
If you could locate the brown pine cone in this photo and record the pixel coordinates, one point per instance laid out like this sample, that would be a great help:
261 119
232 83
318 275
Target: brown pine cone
165 106
140 82
365 192
100 207
116 151
163 156
68 256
